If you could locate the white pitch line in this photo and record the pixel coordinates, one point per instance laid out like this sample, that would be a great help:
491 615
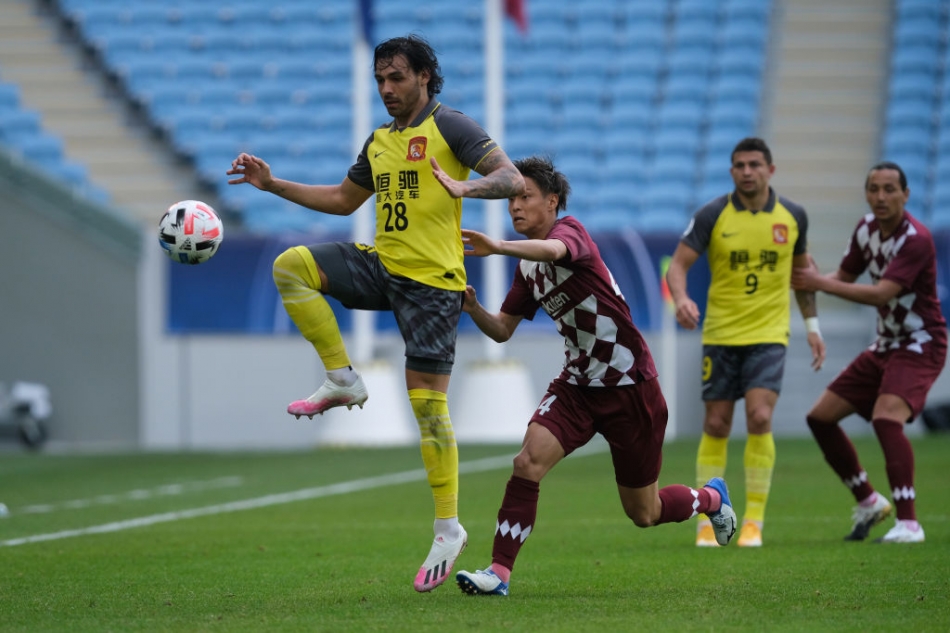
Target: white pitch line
489 463
133 495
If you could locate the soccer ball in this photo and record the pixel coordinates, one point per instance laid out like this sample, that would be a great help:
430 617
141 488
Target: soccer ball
190 232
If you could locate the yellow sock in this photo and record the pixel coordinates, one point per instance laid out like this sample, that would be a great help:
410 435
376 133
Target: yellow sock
759 462
710 460
439 451
297 280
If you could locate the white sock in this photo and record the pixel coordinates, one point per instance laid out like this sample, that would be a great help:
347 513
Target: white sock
448 529
344 376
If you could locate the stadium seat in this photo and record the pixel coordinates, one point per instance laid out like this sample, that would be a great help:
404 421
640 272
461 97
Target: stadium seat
18 122
681 115
689 89
926 9
912 87
910 114
915 59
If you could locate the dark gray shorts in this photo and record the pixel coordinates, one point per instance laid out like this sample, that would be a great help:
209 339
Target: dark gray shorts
729 371
427 317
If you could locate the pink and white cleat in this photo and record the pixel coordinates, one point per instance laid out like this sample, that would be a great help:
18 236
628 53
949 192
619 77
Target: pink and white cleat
439 562
330 395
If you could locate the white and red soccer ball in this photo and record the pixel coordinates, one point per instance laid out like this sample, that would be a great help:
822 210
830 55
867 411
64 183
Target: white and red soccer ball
190 232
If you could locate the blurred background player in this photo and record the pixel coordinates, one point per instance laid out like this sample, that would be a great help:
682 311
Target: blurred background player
887 384
753 238
608 384
417 165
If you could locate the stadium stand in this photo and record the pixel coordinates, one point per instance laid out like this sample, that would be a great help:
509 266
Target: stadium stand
916 130
276 79
619 90
23 135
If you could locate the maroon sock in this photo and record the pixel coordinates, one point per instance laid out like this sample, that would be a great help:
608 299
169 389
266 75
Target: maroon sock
515 520
840 454
899 462
682 502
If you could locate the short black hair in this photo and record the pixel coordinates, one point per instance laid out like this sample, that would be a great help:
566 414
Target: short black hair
886 164
752 144
541 170
418 52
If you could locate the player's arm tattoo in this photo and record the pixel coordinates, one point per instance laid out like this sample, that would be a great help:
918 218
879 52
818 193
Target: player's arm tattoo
500 178
806 303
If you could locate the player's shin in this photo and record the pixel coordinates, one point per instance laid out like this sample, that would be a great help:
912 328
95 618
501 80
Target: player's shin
439 449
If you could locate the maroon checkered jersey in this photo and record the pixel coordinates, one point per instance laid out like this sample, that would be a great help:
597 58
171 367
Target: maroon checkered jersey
907 257
602 346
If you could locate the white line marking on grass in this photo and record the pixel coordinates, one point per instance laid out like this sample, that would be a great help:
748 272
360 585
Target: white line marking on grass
480 465
134 495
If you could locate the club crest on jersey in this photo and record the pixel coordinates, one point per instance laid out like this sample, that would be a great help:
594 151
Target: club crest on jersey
780 233
417 148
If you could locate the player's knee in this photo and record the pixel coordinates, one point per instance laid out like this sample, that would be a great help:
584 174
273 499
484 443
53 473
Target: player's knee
286 264
717 426
641 517
759 420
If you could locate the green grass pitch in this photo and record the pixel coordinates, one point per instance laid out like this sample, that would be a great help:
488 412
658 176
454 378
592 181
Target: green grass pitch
281 542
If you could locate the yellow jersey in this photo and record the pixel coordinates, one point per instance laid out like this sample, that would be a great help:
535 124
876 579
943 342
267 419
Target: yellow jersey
418 224
750 256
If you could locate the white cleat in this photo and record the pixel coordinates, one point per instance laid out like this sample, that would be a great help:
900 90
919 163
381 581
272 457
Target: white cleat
481 583
330 395
439 562
865 518
903 532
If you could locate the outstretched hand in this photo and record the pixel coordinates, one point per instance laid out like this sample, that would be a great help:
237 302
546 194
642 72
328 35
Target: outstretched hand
250 169
455 187
478 244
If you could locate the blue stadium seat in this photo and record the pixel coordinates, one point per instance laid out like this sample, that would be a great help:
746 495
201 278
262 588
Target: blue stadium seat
688 89
695 34
9 96
736 90
915 59
18 122
706 11
927 9
631 115
910 114
671 219
912 87
640 91
681 115
759 10
740 64
917 32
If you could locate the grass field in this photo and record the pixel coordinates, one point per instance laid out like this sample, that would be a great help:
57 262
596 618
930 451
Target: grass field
330 540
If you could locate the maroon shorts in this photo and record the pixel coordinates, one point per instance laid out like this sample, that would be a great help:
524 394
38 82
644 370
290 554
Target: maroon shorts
631 418
898 372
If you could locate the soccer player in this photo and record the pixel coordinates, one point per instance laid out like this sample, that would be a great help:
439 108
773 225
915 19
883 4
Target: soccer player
887 383
608 384
417 165
753 238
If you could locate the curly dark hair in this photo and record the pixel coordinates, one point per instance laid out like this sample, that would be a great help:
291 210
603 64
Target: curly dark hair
541 170
418 52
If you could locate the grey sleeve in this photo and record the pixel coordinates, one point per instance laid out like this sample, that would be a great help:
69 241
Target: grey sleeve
361 172
468 141
699 231
801 218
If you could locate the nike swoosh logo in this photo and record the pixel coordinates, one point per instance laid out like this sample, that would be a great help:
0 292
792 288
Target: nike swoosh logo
730 234
378 154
